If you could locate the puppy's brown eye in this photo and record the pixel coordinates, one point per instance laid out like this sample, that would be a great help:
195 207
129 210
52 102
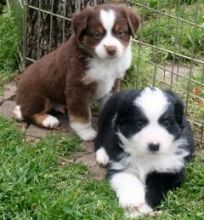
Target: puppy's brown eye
97 35
120 33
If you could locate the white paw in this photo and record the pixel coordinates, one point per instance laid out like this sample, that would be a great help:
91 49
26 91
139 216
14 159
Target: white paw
87 135
102 157
131 201
17 113
144 209
50 122
129 189
84 130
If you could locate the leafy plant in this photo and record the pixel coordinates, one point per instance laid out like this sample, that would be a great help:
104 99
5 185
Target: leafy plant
9 42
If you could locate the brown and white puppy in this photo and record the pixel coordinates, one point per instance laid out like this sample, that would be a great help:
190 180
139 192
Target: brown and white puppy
84 68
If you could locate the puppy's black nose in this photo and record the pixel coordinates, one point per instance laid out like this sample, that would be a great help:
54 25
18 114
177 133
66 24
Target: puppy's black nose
111 50
153 147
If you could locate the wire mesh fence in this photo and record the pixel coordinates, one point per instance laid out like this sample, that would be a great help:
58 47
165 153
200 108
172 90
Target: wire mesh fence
168 51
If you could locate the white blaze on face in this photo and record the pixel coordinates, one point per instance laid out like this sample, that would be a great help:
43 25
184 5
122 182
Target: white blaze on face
108 20
153 103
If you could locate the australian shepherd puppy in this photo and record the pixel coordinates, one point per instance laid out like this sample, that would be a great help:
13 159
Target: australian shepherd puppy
85 68
146 140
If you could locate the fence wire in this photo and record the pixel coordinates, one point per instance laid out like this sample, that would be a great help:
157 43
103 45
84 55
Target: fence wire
169 46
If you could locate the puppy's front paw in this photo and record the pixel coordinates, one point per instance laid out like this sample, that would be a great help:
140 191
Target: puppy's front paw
144 209
131 202
88 134
50 122
102 157
83 130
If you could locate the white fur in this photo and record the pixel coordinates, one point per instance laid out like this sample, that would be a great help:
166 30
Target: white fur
130 191
153 133
153 103
17 113
83 130
106 71
142 210
50 122
102 156
145 209
142 164
108 20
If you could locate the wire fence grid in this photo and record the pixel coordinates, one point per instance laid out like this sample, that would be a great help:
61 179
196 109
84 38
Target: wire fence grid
168 51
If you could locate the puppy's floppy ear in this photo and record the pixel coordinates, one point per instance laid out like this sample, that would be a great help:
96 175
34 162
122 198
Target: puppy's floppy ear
133 20
79 21
178 108
179 111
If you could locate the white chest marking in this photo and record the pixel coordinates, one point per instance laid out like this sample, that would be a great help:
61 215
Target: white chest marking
106 71
171 162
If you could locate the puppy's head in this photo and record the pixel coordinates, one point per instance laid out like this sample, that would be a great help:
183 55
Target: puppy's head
105 30
150 122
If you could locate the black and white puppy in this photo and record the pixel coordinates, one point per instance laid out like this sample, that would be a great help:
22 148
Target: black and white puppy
145 139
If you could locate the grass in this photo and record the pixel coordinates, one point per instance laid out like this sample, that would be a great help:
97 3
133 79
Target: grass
35 185
183 39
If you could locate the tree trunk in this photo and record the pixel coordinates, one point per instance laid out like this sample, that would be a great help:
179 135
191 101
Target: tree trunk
44 31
